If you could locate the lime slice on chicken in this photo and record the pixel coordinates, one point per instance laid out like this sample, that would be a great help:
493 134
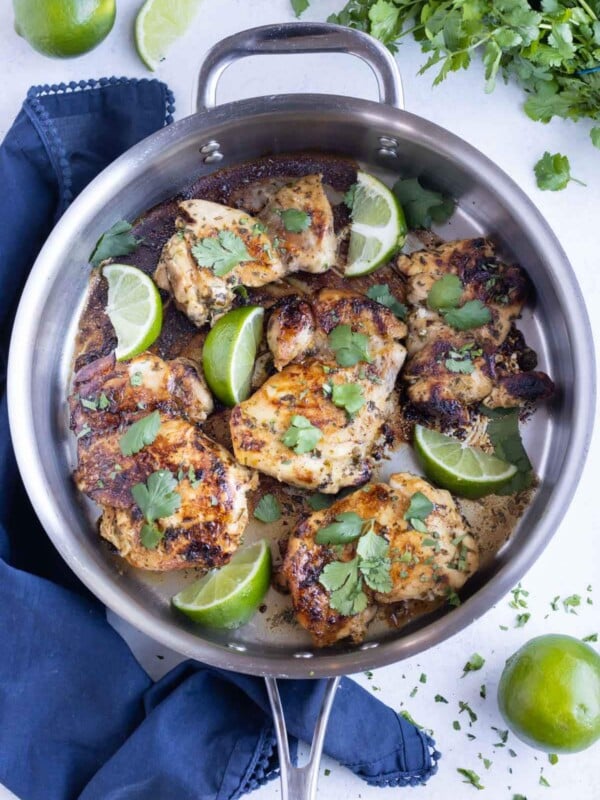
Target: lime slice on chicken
378 226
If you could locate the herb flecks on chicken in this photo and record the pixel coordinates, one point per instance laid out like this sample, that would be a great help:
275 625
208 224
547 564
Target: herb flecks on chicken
400 563
320 347
462 346
200 519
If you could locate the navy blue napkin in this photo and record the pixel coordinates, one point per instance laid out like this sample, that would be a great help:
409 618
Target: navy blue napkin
79 717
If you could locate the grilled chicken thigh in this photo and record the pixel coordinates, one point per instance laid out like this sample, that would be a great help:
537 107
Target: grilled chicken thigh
217 248
304 390
310 244
206 527
422 566
449 370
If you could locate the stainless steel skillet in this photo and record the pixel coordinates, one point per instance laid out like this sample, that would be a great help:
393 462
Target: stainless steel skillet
386 140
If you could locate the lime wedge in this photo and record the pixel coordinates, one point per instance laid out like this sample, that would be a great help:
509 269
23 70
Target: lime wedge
158 24
463 470
228 597
378 226
134 307
230 351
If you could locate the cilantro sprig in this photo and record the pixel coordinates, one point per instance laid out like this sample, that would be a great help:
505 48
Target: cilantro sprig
116 241
381 293
421 206
347 527
348 396
295 220
302 436
503 430
444 296
419 508
349 346
345 580
268 509
141 433
156 499
553 172
221 253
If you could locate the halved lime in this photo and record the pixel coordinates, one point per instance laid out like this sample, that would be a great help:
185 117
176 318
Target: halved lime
134 307
230 351
378 226
462 469
158 24
228 597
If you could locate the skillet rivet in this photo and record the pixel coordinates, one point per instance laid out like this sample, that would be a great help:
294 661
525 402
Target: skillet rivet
241 648
212 158
210 147
387 142
303 655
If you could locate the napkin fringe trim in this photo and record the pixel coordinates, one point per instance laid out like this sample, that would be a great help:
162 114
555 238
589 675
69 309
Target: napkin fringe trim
416 778
47 130
261 770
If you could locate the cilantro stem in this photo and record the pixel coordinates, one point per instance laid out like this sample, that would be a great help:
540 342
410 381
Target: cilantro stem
587 8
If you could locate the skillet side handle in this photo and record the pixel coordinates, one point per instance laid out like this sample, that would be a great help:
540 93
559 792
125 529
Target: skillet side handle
300 783
300 37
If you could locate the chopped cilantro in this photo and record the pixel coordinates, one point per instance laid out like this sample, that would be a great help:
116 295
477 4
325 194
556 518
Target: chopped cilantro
456 725
348 396
475 663
116 241
294 220
141 433
346 528
592 637
91 405
522 619
422 207
482 691
543 781
423 678
267 509
571 603
103 402
553 758
349 347
503 737
302 436
221 253
440 699
381 293
445 293
464 706
136 379
471 777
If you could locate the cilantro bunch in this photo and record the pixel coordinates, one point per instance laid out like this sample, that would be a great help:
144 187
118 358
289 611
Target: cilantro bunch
552 47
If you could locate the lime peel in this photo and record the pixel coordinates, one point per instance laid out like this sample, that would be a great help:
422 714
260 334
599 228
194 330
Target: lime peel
228 597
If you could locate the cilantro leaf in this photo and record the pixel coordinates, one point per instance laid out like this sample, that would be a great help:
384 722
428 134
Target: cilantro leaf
381 293
221 253
150 535
268 509
595 136
445 293
374 563
302 436
294 220
342 580
346 528
320 501
420 507
503 430
299 6
471 777
116 241
464 366
140 434
384 17
473 314
553 172
349 347
157 497
348 396
422 206
475 663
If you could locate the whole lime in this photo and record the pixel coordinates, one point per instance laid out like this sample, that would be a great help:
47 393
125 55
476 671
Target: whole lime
64 28
549 694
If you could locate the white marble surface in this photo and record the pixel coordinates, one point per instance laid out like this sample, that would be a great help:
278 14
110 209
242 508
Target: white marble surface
497 126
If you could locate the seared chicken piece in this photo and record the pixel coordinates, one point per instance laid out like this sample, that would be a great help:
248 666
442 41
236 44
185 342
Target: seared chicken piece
307 243
449 370
208 526
422 566
107 392
343 453
295 232
108 399
208 229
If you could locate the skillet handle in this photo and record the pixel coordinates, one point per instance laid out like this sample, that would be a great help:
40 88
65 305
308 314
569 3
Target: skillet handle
300 37
300 783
